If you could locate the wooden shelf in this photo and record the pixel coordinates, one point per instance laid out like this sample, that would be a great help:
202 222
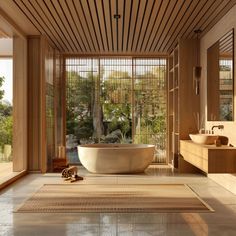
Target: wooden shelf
182 105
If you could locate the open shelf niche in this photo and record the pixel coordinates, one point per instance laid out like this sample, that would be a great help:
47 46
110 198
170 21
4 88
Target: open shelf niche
183 102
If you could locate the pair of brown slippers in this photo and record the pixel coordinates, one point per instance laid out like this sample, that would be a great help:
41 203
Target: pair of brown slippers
74 178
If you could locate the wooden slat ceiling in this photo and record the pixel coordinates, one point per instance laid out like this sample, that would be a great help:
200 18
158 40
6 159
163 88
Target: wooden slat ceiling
141 26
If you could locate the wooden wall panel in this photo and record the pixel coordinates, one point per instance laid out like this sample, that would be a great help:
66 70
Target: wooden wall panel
213 82
19 103
34 96
40 70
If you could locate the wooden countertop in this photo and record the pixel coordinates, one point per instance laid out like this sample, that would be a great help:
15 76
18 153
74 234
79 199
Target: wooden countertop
213 146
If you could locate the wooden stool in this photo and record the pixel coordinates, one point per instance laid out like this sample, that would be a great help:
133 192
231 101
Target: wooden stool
58 164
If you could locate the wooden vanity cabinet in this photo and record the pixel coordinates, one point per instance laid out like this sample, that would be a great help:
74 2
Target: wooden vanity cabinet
209 158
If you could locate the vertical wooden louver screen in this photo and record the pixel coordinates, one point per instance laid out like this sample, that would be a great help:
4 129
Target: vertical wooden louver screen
116 100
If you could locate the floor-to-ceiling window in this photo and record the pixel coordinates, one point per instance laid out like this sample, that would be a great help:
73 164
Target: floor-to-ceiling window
81 76
115 97
115 100
150 104
6 106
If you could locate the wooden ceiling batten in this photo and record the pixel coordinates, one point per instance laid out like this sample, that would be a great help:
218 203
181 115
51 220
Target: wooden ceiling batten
123 26
182 6
145 22
23 8
219 16
137 25
120 23
152 25
133 22
42 10
76 31
112 8
183 22
157 25
53 23
175 24
165 20
127 25
61 27
107 23
65 24
84 24
78 24
84 9
36 11
95 23
140 26
111 25
208 12
148 23
31 21
102 23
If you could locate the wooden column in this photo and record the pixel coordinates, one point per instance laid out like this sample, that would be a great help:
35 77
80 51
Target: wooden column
34 103
19 103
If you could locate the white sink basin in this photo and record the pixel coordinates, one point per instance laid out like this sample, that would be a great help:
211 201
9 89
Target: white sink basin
203 138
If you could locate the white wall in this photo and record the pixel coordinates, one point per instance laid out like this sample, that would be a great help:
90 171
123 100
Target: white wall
227 23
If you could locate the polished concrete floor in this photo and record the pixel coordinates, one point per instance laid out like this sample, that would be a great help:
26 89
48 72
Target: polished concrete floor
6 172
5 169
221 222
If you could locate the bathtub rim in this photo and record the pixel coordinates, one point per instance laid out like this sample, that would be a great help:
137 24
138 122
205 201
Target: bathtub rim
116 146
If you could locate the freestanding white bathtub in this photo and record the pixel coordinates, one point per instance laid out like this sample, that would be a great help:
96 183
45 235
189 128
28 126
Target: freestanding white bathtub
116 158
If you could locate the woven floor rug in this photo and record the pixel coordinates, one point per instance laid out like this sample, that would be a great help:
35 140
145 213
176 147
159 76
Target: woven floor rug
75 198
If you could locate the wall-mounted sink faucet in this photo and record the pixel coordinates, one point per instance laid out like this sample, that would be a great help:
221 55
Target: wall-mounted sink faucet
216 126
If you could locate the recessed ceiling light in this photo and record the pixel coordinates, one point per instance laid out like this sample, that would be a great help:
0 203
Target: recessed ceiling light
116 16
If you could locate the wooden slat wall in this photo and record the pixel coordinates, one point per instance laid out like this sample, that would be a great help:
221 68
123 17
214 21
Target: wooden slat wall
44 63
20 103
34 114
144 26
